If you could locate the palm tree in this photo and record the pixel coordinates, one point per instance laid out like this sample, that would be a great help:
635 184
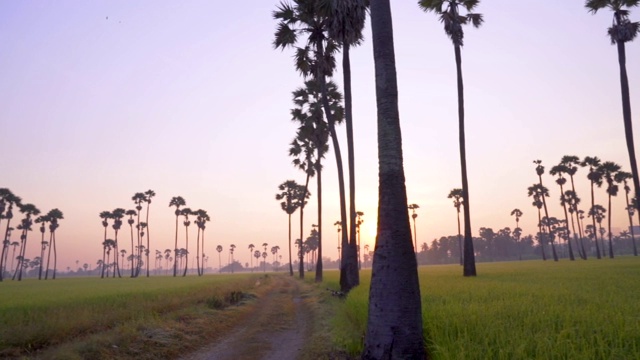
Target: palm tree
338 225
264 261
292 195
42 220
219 250
458 200
201 221
449 13
147 198
538 192
232 248
597 212
130 221
54 216
15 245
359 222
139 198
595 178
609 170
257 255
413 208
29 210
621 31
572 200
117 215
571 163
186 212
176 201
251 247
8 201
540 172
316 60
346 22
623 177
394 294
517 231
561 180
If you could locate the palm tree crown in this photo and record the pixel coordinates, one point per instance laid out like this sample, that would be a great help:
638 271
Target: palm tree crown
449 13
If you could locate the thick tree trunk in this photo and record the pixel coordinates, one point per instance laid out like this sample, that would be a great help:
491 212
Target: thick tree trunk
394 327
469 266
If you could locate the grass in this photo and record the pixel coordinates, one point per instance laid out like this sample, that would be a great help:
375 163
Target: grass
518 310
81 317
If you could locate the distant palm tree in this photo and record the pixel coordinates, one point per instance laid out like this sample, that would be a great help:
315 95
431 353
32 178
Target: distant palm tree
571 163
595 178
15 245
142 226
453 20
219 250
540 172
609 170
232 249
251 247
572 200
117 215
42 220
561 180
147 198
538 191
597 212
517 231
292 196
176 201
623 177
139 198
29 210
264 261
123 253
458 200
201 221
338 224
359 222
55 215
186 212
257 255
413 208
7 201
130 221
621 31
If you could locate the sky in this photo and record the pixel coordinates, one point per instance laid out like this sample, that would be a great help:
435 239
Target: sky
103 99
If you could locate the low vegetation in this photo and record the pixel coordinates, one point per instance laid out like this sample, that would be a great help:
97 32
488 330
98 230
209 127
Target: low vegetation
518 310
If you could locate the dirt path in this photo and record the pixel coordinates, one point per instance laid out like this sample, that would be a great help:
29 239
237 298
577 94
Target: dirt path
275 330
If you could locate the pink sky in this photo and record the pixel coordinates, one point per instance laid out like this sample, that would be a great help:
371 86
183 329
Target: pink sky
102 99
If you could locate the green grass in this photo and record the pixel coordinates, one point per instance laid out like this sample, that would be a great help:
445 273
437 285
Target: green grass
518 310
42 314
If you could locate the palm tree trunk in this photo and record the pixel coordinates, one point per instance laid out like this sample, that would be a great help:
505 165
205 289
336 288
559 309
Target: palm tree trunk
55 257
290 264
460 241
609 228
469 267
148 234
41 256
46 275
116 258
351 250
300 247
104 252
175 262
132 249
541 236
633 238
593 219
546 215
198 250
394 327
626 114
566 219
5 250
319 262
186 253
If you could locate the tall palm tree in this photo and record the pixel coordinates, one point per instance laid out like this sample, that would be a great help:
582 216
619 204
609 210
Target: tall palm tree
609 170
623 177
538 191
9 200
55 215
621 31
346 22
597 212
517 213
186 212
292 197
148 195
176 201
449 14
561 180
139 198
316 60
595 178
219 250
540 172
251 247
394 326
458 200
28 210
359 222
131 213
117 215
201 221
413 208
42 220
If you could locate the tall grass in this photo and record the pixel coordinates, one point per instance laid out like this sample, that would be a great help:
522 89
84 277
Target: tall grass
38 314
519 310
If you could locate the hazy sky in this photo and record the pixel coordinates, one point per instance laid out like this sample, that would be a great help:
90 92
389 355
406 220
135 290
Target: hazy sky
102 99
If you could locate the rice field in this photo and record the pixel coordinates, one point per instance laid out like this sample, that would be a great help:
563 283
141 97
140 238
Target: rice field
518 310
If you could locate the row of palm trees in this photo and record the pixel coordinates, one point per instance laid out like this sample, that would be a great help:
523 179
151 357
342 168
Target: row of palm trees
50 221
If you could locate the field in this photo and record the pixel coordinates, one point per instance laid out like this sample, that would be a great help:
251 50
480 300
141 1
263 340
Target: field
519 310
515 310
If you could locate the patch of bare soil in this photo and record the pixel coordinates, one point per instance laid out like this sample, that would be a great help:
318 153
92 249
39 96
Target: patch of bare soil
276 330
